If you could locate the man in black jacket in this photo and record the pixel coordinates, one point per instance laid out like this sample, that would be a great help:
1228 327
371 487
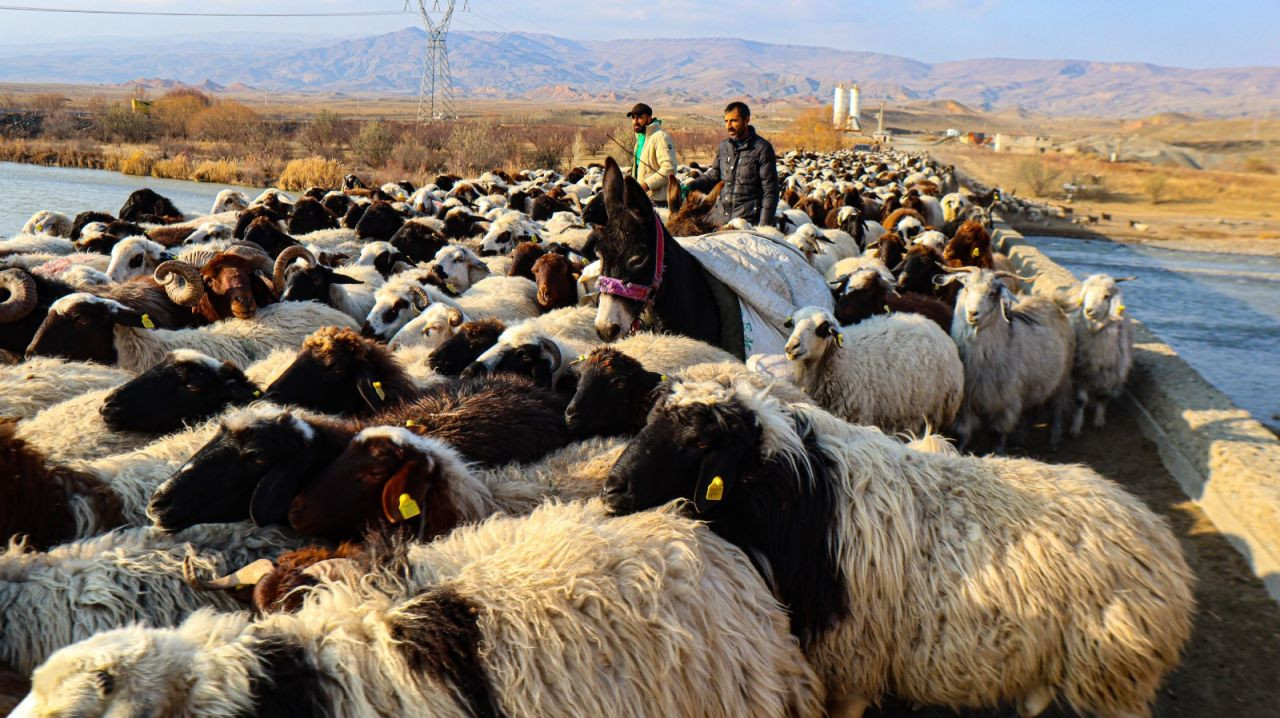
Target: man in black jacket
745 162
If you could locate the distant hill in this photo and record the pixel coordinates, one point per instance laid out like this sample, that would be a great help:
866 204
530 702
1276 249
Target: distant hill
528 65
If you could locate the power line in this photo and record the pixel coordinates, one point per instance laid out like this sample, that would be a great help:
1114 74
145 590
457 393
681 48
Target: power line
82 11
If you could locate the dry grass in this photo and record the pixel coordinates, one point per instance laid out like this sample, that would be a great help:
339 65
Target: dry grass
220 171
312 172
137 162
810 131
176 167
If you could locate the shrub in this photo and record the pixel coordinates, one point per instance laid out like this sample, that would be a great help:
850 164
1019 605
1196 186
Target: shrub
176 167
120 124
552 146
373 144
312 172
1259 166
227 121
811 130
136 163
173 112
325 134
1038 175
1155 187
222 171
479 146
47 102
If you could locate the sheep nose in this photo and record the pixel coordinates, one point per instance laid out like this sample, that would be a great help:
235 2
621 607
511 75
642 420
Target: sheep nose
366 331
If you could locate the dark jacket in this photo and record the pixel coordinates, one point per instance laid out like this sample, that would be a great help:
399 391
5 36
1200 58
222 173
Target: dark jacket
750 175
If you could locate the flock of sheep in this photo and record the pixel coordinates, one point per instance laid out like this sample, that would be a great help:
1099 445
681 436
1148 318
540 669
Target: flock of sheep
362 452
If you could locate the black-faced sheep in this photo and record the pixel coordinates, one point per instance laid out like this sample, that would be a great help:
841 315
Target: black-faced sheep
186 386
879 542
337 371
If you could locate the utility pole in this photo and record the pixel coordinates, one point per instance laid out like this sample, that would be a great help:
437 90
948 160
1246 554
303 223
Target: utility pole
435 91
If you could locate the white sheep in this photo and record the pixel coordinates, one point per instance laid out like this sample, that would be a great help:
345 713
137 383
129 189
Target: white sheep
597 597
1017 581
1104 346
48 222
78 417
35 244
899 372
1017 355
461 267
135 257
507 231
400 299
67 594
437 323
511 299
229 200
41 382
210 232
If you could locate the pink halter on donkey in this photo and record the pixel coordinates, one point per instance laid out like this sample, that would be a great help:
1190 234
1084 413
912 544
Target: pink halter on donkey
640 292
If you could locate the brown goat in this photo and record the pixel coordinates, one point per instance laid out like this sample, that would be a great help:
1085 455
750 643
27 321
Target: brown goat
813 208
35 498
522 259
970 247
557 284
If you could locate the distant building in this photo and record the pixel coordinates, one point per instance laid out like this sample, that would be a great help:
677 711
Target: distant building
953 132
1022 144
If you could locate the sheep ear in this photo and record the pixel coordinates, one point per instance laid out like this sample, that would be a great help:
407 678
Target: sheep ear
344 279
718 475
403 494
790 323
372 392
274 494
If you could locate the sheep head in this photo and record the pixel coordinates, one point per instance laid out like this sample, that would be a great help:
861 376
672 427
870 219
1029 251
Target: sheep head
557 283
613 394
436 325
460 267
340 372
390 474
698 443
184 387
458 352
135 257
1101 301
814 332
81 327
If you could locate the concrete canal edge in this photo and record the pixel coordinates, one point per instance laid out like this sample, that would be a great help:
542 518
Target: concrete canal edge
1224 459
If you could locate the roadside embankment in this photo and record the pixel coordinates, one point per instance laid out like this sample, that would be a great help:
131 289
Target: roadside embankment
1224 459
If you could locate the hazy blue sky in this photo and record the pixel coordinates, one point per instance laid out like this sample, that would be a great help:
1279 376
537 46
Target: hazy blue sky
1199 34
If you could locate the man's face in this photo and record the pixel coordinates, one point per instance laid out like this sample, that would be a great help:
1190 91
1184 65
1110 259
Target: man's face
735 124
639 122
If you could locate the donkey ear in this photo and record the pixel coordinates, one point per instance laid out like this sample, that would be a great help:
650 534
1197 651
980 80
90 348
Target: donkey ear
637 200
673 194
613 188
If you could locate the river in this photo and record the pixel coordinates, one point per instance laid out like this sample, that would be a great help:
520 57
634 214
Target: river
1220 312
27 189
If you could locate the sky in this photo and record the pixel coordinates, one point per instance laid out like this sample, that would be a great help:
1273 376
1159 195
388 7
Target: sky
1227 33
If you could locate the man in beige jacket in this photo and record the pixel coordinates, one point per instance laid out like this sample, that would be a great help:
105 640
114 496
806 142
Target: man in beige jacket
655 156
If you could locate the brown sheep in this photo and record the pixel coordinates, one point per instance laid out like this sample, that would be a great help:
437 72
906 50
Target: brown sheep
522 259
337 371
970 247
557 282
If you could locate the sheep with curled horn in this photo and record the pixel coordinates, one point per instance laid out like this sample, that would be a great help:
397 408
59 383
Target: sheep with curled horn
350 289
1020 581
1017 355
234 283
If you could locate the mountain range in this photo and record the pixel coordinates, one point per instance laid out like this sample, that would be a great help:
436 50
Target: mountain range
540 66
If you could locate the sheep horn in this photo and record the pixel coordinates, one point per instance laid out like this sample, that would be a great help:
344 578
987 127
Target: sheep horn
248 576
187 289
22 295
286 258
261 260
954 270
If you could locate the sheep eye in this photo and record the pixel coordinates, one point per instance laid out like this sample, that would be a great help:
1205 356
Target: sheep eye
135 262
106 682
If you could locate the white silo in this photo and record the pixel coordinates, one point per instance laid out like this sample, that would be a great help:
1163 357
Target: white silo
855 107
841 108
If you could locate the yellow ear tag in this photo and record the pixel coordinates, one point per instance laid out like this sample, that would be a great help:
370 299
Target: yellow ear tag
1119 310
256 393
976 252
451 288
887 310
411 423
377 389
581 357
535 239
662 377
839 340
715 489
39 228
146 322
408 507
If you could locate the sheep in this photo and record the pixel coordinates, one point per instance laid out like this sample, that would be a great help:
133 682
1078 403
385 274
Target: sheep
899 372
350 290
379 221
135 257
229 200
397 301
186 386
136 347
472 339
310 216
1017 355
47 222
234 283
469 627
556 281
268 235
339 372
851 265
53 503
459 268
867 293
148 206
435 325
970 247
525 350
953 205
506 232
67 594
78 417
419 239
382 256
210 232
1084 586
523 258
35 244
510 299
615 390
1103 346
41 382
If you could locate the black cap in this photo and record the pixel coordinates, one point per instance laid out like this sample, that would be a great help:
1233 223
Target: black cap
640 109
